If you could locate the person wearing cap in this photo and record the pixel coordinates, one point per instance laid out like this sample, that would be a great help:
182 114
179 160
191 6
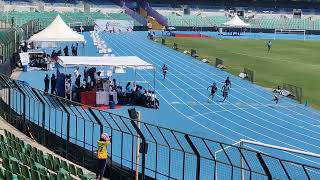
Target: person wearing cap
102 154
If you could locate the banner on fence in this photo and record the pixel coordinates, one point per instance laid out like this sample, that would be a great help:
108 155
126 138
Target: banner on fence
113 25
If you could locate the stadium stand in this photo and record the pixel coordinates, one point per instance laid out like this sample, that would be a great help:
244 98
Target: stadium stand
262 21
196 20
262 5
23 159
86 18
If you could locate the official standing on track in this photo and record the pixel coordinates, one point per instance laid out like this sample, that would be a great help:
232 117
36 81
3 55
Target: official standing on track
46 84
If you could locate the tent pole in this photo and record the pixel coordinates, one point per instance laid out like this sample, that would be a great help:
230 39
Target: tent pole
135 73
83 50
154 85
65 82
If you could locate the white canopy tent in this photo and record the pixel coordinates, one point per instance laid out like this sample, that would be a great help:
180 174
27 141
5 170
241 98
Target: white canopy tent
236 22
57 31
120 61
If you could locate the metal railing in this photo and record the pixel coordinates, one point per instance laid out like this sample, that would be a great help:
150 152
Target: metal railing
73 130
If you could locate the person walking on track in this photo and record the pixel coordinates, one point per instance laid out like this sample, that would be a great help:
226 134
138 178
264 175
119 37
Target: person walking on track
164 71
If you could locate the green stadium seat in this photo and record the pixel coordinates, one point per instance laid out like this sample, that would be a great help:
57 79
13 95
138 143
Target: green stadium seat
49 164
72 169
34 150
34 158
5 132
27 152
25 171
29 147
26 160
2 176
8 174
44 177
20 177
56 166
79 172
53 176
20 148
62 175
5 153
86 177
21 142
10 152
43 171
12 144
56 160
42 160
6 163
17 155
50 157
64 165
35 175
15 167
2 138
40 152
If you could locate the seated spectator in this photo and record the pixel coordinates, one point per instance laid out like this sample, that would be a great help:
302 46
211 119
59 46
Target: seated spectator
134 86
283 92
128 88
243 75
286 93
221 66
154 100
278 90
129 92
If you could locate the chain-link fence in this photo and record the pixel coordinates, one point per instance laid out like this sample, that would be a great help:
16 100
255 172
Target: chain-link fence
72 130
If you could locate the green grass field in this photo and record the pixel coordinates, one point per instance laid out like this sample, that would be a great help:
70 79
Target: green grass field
292 62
